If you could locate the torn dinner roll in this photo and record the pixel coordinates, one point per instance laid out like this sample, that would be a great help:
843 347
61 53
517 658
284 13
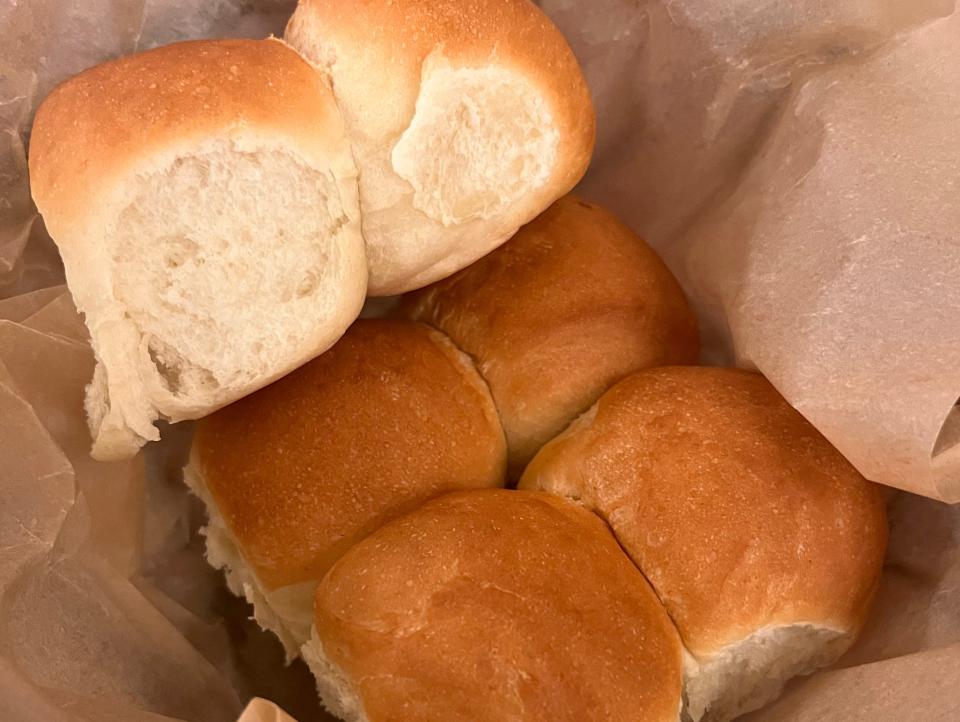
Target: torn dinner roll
296 473
204 201
762 541
493 605
570 305
467 118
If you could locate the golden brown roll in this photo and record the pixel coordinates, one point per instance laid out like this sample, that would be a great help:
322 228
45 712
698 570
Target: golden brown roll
762 541
295 474
493 605
573 303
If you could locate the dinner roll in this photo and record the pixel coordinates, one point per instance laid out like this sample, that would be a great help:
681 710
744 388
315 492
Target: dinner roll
573 303
762 541
293 475
494 605
467 118
204 201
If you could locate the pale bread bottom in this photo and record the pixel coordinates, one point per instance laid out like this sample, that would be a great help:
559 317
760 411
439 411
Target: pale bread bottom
748 674
334 687
285 611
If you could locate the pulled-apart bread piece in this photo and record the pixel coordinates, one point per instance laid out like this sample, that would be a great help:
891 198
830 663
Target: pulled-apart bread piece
296 473
764 544
467 118
204 201
570 305
493 605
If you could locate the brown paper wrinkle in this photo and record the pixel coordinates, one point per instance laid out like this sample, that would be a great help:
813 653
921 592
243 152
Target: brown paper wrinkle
30 518
113 646
680 120
50 372
918 604
752 142
20 308
168 21
849 305
59 317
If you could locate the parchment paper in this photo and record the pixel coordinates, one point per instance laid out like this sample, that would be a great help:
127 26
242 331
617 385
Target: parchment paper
262 710
797 165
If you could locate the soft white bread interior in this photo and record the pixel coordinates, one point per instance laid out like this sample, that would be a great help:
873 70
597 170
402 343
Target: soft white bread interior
747 674
337 692
204 201
570 305
493 605
763 543
467 118
296 473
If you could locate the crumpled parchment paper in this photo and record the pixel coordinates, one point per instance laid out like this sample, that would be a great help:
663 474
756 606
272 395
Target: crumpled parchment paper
796 164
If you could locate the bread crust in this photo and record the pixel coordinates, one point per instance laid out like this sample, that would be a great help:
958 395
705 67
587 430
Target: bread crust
570 305
98 126
493 605
741 515
389 417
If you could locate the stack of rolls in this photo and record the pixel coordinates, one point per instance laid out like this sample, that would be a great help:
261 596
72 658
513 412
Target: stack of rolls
295 474
682 541
684 545
573 303
399 411
222 207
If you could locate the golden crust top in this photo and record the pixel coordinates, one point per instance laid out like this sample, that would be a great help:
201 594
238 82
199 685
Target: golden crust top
737 510
389 417
493 605
100 123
